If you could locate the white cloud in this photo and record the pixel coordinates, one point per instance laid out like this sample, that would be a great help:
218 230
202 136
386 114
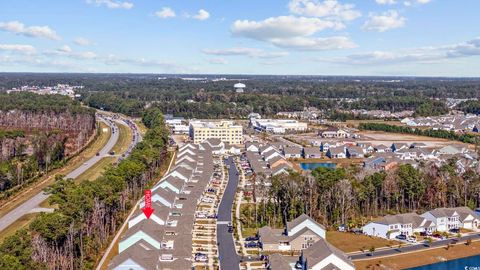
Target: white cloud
423 54
82 41
201 15
331 9
293 32
19 28
418 2
386 2
65 49
250 52
383 22
112 4
25 49
218 61
165 12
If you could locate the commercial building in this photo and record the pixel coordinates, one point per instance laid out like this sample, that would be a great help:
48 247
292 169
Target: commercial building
226 131
278 126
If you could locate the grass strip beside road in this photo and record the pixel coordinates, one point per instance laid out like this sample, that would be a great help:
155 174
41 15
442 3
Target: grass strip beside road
47 180
420 258
17 225
96 170
125 137
350 242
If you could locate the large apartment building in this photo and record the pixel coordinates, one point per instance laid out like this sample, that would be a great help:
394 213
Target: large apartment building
226 131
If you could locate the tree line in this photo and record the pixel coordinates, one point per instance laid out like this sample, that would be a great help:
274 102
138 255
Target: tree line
89 213
443 134
353 196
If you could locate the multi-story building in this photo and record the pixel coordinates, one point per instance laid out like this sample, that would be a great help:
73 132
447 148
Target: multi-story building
226 131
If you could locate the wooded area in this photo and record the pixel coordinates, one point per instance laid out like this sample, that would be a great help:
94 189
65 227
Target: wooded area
88 214
443 134
352 196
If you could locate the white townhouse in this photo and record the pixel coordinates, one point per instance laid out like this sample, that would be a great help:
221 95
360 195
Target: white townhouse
453 218
391 226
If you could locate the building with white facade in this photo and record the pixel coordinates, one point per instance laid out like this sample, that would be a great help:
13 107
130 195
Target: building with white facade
226 131
278 126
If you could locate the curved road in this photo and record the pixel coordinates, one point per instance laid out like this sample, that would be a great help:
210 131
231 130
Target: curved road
34 202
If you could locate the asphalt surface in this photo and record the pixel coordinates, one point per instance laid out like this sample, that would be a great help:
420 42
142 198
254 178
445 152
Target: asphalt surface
226 246
34 202
410 248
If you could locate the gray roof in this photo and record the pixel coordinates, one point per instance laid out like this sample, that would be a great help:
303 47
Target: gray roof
278 262
300 219
292 150
321 250
312 150
407 218
142 253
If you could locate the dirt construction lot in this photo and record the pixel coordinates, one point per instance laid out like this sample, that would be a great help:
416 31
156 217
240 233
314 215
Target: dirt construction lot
378 137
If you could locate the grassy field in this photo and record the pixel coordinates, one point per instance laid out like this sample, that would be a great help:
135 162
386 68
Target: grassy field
124 138
349 242
141 127
17 225
96 170
12 202
421 258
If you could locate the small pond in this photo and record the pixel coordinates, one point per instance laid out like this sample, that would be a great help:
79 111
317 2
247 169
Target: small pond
313 166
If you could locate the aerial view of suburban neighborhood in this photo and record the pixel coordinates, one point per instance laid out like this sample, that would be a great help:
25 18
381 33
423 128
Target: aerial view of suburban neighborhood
248 135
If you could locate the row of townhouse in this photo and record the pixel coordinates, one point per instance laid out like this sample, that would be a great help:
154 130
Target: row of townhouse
454 122
164 241
307 236
267 160
437 220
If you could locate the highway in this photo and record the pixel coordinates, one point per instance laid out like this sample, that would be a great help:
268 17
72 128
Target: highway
226 246
412 248
33 203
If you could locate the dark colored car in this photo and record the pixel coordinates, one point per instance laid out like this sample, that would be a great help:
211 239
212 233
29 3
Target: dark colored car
454 230
252 238
401 237
252 245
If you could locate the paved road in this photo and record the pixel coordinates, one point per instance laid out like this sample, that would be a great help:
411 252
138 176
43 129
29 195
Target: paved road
33 202
226 246
418 247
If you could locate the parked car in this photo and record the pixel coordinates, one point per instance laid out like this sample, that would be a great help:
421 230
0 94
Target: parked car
252 245
412 239
455 230
252 238
401 237
201 257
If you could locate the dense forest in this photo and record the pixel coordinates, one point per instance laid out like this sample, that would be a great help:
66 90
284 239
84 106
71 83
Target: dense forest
443 134
37 134
31 102
470 106
88 214
352 196
267 95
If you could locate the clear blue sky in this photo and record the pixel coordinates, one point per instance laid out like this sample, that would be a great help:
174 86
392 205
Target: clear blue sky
313 37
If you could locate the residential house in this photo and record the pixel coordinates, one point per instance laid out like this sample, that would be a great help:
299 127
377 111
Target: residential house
292 152
323 255
391 226
333 132
354 152
312 152
453 218
382 148
299 234
399 146
336 152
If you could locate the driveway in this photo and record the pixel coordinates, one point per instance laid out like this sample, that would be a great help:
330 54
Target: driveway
226 246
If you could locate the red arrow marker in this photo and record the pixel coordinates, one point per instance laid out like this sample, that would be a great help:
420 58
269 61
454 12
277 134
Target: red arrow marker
148 210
